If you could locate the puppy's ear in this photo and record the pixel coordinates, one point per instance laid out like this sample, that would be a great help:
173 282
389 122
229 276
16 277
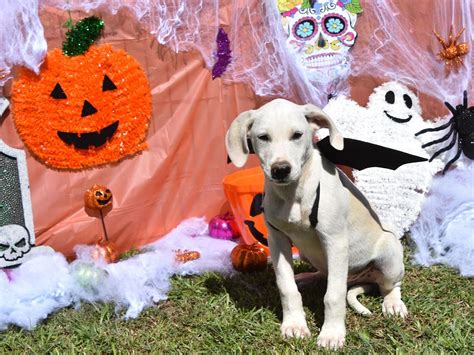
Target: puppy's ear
317 119
236 138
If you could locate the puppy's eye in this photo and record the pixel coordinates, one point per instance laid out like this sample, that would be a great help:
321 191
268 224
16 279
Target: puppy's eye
296 136
264 137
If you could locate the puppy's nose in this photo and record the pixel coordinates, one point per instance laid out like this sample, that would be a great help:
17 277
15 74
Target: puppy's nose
280 171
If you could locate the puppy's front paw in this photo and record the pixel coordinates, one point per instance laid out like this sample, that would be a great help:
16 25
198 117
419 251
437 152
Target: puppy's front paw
295 328
394 308
332 337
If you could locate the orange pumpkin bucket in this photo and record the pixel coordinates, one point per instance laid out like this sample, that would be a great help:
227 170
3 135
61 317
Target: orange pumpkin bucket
244 191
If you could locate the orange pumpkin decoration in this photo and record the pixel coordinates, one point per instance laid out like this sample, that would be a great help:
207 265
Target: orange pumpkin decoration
248 258
244 191
85 110
106 250
98 197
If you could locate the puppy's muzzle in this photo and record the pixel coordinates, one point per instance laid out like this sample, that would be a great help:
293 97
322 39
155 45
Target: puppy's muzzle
280 171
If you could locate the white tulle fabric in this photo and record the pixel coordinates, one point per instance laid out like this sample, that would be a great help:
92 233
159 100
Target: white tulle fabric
22 39
444 232
46 283
261 57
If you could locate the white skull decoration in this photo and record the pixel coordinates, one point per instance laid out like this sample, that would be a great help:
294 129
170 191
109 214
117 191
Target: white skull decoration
321 36
14 244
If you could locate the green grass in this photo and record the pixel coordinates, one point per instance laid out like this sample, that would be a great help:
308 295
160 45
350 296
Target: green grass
211 313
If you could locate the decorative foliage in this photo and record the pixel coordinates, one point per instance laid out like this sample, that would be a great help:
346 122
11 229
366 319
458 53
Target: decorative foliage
452 51
81 36
248 258
223 54
72 117
352 6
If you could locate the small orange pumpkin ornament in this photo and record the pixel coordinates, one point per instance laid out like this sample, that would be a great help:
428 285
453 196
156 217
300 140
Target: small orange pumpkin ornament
105 249
83 110
98 197
248 258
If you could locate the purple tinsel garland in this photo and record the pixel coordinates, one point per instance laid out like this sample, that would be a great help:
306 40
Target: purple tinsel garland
223 54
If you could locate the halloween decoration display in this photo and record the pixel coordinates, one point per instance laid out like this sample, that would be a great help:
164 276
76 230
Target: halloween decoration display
83 110
390 121
321 36
17 235
452 51
183 256
248 258
98 197
46 283
223 227
223 54
461 128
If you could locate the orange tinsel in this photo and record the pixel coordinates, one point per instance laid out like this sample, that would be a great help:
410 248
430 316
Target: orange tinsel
184 255
39 116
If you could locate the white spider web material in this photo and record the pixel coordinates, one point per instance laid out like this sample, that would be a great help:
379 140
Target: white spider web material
258 41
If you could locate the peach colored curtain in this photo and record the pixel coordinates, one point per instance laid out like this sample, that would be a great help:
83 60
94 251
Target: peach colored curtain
179 176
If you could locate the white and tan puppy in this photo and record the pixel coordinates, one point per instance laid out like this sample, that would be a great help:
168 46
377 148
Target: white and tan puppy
346 240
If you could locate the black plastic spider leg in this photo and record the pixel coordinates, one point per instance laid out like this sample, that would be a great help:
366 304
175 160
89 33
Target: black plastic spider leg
442 139
448 147
450 108
439 128
456 157
464 99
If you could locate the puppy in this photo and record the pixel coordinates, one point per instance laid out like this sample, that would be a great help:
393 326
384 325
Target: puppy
310 203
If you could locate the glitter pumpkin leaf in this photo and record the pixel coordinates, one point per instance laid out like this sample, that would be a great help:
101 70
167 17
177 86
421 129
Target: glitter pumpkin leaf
81 36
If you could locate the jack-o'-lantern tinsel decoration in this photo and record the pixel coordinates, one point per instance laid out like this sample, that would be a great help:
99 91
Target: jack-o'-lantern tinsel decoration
88 106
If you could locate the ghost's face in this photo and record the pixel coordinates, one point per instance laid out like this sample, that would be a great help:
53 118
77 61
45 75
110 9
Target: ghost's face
14 244
321 36
395 102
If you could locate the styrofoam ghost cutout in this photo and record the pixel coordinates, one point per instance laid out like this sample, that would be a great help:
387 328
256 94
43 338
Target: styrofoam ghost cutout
396 195
321 37
15 243
397 104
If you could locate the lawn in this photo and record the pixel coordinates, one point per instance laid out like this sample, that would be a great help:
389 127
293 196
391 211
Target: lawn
212 313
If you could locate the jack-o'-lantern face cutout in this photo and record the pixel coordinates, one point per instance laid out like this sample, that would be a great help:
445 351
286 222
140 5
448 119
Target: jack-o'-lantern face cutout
85 110
98 197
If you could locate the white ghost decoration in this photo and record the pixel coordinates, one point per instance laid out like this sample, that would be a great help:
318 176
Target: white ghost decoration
321 37
396 195
15 243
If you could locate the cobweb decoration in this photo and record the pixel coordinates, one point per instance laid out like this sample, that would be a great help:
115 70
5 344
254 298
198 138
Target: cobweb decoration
22 39
388 50
258 41
444 232
223 54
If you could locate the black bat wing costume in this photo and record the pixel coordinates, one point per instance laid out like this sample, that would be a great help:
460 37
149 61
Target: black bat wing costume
356 154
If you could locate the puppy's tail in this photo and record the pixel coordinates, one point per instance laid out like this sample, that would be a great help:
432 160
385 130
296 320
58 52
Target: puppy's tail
352 300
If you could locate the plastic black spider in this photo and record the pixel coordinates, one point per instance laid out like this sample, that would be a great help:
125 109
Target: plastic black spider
462 126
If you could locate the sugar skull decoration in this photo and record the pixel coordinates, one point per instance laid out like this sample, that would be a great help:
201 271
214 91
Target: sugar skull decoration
321 34
89 106
98 197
